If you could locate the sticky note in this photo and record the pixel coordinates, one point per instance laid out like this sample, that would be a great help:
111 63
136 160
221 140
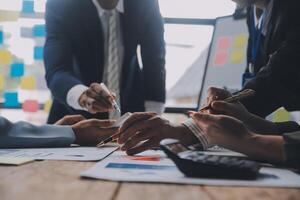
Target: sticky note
1 82
47 106
30 106
1 37
17 70
11 99
39 31
240 41
223 43
281 115
221 58
38 53
28 83
237 57
5 160
5 57
28 6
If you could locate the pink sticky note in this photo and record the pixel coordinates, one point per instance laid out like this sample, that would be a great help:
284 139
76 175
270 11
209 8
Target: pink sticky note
223 43
30 106
221 58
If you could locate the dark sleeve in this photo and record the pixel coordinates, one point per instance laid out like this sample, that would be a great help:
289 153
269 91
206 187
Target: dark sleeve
153 54
287 127
278 83
58 53
25 135
292 148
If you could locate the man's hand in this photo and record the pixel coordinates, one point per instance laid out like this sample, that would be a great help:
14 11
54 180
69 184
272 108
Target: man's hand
234 109
88 132
92 131
222 130
143 131
96 99
232 134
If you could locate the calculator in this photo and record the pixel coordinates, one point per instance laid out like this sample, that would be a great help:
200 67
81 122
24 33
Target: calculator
194 163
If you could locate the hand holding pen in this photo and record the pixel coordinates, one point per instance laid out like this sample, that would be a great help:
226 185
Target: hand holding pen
97 98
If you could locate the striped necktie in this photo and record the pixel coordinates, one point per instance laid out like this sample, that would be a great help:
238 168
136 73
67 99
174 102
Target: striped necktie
113 68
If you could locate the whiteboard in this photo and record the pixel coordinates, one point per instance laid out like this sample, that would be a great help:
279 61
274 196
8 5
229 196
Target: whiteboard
227 58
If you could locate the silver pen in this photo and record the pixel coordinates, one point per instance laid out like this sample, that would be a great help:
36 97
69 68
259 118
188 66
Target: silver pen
114 103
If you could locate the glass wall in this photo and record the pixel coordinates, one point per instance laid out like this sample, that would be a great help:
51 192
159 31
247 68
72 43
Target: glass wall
23 91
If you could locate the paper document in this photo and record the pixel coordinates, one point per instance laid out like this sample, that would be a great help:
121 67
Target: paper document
70 153
155 167
14 161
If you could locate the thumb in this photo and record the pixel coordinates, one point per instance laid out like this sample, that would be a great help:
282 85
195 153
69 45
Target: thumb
222 106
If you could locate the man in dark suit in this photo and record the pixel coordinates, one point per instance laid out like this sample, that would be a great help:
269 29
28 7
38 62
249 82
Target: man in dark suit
94 41
276 64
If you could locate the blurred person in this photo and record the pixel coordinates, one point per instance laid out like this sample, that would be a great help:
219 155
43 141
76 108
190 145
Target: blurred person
68 130
94 41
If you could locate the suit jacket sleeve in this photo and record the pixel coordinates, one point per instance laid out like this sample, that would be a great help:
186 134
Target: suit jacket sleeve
153 54
25 135
292 148
278 83
58 53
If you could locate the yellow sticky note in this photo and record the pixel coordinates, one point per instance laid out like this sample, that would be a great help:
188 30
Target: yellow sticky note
5 57
1 82
281 115
47 106
14 160
237 57
28 83
240 41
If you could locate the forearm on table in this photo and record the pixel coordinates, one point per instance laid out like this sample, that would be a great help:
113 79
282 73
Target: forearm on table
259 125
261 147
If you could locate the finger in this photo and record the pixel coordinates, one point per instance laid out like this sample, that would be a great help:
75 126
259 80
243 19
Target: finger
102 100
204 119
143 147
70 119
222 106
100 108
135 117
102 93
139 126
97 123
102 134
138 138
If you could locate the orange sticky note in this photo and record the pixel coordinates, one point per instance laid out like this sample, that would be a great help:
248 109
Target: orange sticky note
221 58
224 42
1 82
47 106
30 106
28 83
5 57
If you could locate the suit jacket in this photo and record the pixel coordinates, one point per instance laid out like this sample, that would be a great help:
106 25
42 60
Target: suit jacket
277 68
74 53
25 135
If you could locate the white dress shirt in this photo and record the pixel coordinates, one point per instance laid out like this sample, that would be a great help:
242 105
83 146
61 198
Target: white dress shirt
76 91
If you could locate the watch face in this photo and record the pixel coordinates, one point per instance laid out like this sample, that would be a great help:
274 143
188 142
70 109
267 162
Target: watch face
176 148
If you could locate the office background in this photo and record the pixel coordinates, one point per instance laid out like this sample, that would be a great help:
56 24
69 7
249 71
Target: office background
23 91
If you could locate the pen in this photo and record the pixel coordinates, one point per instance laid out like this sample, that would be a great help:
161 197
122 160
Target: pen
114 103
239 96
107 140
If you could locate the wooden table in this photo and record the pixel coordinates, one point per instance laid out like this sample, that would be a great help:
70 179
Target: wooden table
45 180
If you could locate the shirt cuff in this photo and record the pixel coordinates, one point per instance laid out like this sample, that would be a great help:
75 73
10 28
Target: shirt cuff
74 95
195 129
155 106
